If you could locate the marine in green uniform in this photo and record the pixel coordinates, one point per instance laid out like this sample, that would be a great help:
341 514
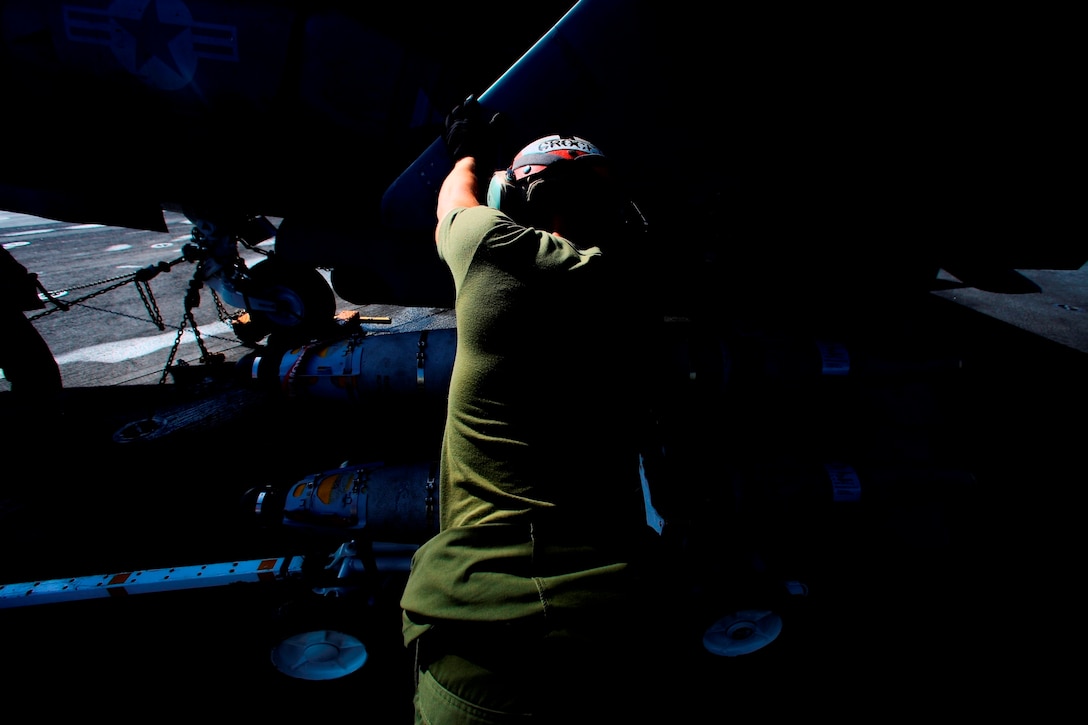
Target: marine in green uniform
533 597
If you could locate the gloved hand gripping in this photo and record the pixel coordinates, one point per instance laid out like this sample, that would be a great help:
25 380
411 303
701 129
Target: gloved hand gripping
470 132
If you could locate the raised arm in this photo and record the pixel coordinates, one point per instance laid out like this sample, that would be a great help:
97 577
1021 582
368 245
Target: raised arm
460 188
470 140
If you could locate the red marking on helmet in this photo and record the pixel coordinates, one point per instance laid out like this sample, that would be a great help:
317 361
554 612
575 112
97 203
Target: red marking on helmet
522 171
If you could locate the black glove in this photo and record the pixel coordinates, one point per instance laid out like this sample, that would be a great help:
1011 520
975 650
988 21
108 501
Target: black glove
469 132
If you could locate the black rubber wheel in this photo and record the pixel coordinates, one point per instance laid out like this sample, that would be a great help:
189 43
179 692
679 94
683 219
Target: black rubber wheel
305 303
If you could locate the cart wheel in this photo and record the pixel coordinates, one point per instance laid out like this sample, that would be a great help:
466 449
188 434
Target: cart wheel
321 654
314 638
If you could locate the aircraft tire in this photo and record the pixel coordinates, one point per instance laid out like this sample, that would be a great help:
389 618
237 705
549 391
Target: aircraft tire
307 302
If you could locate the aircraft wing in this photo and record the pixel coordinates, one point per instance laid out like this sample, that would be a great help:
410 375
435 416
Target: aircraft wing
832 153
118 108
825 154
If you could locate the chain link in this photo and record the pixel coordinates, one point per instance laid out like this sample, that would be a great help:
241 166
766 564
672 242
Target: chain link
224 316
174 349
150 304
142 280
192 299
